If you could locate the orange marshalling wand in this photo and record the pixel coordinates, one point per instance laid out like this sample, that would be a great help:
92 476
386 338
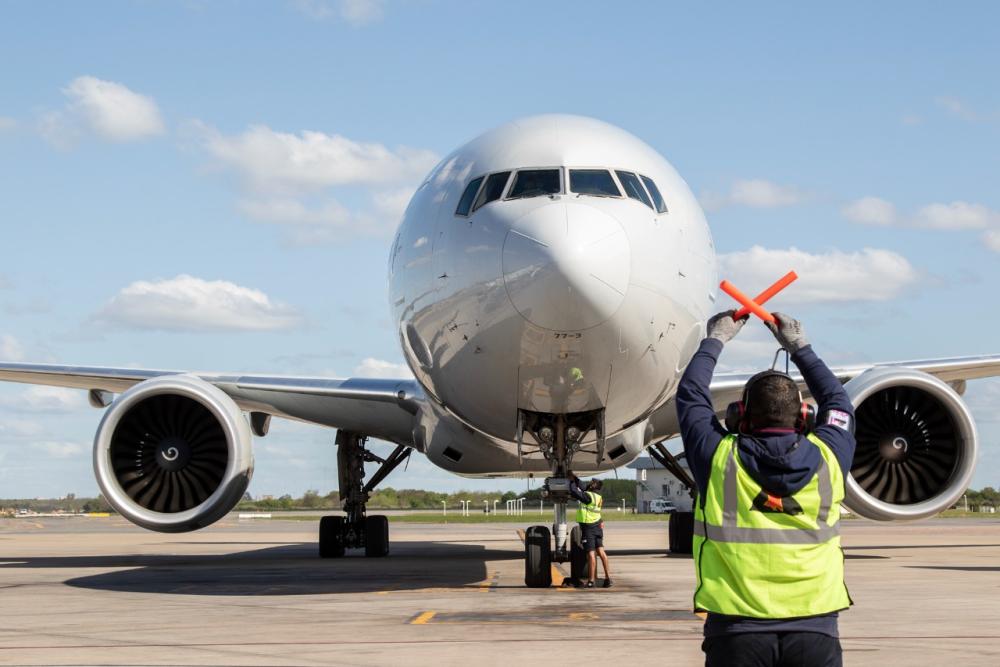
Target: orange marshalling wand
754 305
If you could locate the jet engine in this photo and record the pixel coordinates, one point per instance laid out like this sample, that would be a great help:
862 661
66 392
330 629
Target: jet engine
917 445
173 454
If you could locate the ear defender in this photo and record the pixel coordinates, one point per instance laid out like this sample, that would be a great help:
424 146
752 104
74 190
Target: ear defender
734 416
807 418
738 417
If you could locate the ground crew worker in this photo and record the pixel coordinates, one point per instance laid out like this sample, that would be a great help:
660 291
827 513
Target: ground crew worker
591 527
769 567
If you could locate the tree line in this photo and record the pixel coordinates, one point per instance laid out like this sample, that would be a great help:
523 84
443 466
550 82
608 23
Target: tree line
415 499
389 498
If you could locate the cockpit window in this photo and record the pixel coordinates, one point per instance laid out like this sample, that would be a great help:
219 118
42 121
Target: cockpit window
494 188
465 203
654 192
596 182
535 183
633 188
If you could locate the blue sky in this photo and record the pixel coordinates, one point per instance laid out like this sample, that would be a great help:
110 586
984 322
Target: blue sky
213 185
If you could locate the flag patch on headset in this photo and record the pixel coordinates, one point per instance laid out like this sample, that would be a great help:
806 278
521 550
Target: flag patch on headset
838 418
765 502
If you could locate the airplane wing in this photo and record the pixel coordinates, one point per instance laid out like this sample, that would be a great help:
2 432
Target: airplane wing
728 387
379 408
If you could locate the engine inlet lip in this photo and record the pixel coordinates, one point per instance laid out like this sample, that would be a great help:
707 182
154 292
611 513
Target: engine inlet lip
879 378
190 387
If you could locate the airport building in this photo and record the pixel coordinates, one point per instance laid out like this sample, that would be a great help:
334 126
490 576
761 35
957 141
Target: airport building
653 481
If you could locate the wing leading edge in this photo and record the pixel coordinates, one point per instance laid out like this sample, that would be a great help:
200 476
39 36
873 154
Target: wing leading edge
728 387
380 408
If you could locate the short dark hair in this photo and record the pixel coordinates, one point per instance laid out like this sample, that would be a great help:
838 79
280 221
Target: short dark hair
594 485
773 401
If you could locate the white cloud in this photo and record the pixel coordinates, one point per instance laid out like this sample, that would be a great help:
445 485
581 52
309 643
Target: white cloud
329 219
756 193
912 119
956 215
830 277
992 239
107 109
378 368
60 450
41 398
186 303
964 111
871 211
272 161
20 428
7 123
355 12
752 349
287 211
391 204
10 349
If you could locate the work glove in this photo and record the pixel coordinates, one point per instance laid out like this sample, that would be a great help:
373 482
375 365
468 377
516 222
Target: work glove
723 327
789 332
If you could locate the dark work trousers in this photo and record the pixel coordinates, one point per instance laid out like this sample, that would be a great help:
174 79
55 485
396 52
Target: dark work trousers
773 649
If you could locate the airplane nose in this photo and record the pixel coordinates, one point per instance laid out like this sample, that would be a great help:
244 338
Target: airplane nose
566 266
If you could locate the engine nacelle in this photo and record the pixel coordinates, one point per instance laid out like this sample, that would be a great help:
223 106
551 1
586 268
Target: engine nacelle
173 454
917 445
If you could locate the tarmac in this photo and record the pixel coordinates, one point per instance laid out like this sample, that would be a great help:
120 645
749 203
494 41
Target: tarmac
98 591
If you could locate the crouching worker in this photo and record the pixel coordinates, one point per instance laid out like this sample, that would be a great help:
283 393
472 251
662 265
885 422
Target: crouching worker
769 567
591 527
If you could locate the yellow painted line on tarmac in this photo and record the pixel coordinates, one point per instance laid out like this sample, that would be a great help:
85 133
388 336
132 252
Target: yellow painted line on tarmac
424 618
488 584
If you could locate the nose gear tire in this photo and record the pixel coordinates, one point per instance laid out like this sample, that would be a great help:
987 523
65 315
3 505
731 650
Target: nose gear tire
537 557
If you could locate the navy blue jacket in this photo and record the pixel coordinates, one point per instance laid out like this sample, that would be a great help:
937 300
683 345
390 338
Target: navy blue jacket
780 460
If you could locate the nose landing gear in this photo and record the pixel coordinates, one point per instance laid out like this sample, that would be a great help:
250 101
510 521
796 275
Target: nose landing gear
559 437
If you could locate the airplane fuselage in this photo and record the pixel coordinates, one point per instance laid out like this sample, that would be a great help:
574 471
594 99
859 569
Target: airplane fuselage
579 281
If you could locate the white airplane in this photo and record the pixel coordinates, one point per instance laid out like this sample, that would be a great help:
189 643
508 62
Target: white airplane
550 281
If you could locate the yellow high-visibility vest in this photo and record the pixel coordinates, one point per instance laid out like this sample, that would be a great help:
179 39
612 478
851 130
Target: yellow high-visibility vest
590 512
760 556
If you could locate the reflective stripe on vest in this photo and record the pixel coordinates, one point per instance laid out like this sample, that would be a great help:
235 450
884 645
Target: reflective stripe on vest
760 556
590 512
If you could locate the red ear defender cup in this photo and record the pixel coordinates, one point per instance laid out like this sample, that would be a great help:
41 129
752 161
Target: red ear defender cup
734 416
807 419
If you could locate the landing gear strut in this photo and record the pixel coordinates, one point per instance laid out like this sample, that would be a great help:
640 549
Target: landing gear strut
357 530
559 437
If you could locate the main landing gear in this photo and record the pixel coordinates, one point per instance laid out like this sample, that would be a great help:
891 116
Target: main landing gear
357 530
559 437
680 530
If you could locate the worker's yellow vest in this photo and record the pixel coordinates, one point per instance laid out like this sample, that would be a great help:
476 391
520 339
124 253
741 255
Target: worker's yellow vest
590 512
764 557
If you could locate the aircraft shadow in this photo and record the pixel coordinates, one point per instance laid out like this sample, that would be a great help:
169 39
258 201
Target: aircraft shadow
290 569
